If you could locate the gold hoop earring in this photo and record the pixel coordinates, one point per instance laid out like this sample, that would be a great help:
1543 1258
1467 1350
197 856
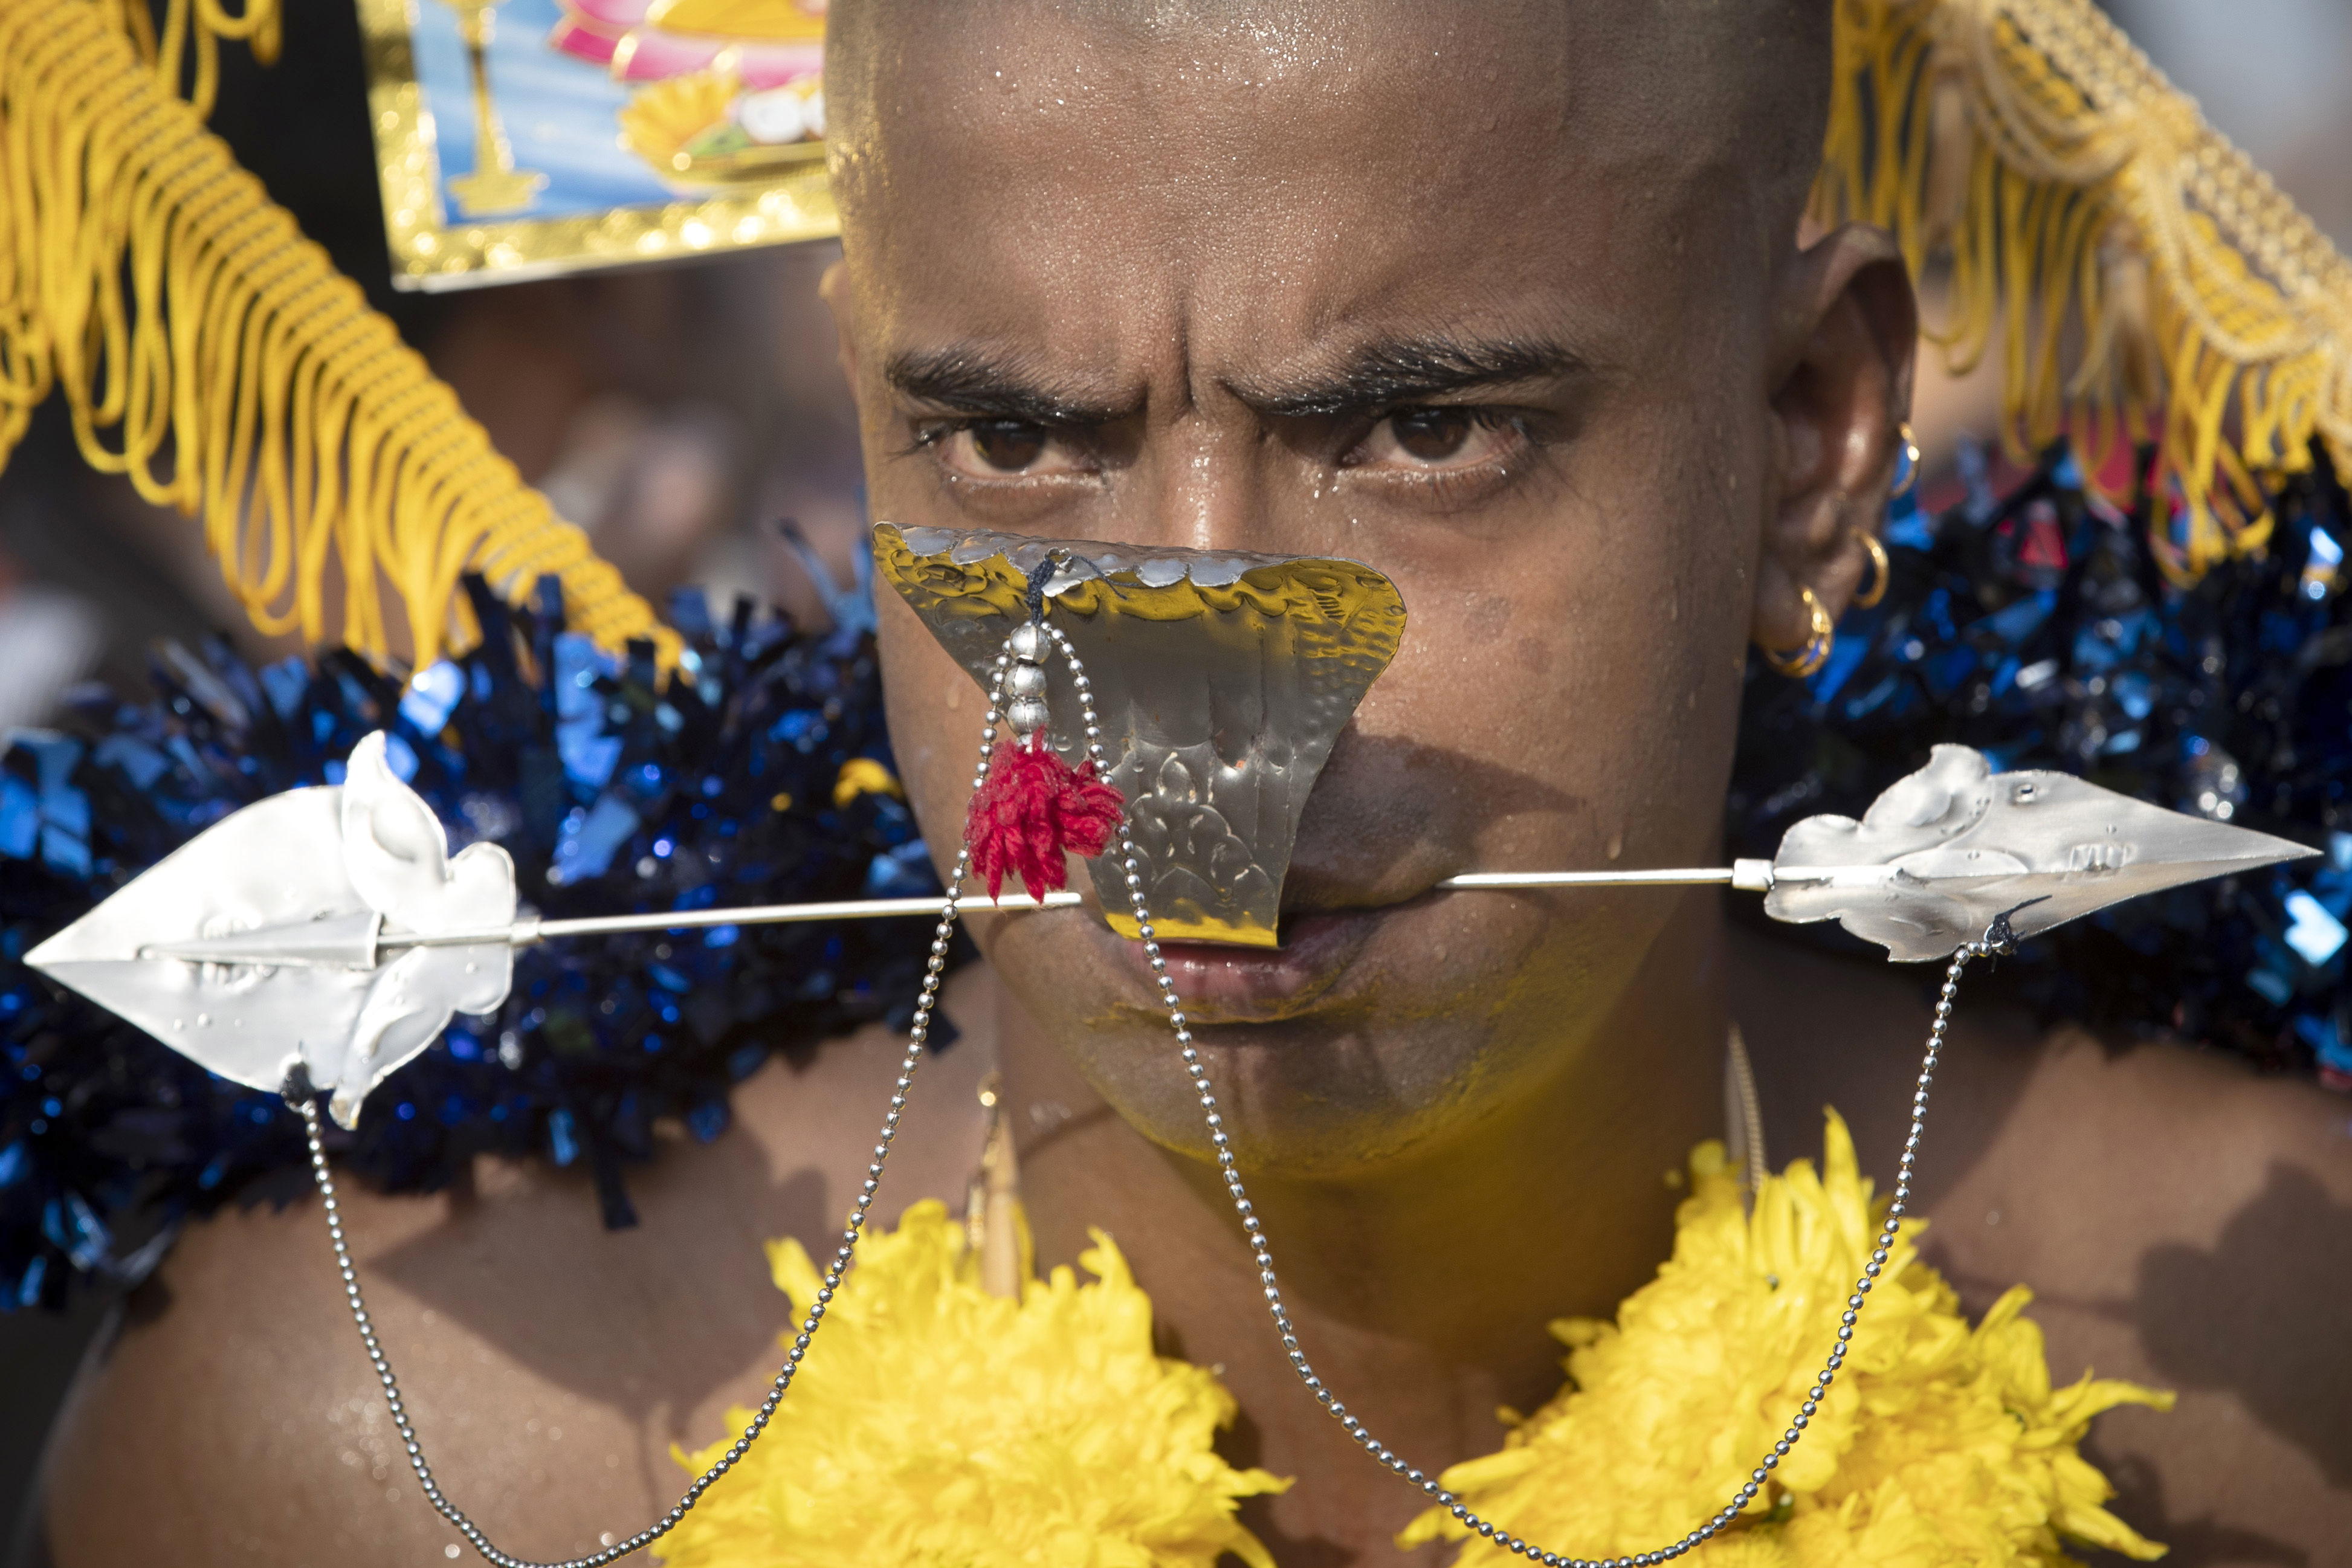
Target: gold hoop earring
1882 571
1798 663
1906 461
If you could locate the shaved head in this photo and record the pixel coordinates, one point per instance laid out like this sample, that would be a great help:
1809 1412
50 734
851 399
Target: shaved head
1737 85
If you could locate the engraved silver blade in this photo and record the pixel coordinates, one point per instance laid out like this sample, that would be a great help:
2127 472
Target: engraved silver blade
1221 680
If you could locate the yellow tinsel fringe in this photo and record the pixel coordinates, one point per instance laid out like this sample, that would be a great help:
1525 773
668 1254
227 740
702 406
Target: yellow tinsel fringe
1937 1446
2145 281
193 30
238 374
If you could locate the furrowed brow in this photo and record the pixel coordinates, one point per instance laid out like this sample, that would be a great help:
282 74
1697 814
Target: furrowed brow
976 383
1413 370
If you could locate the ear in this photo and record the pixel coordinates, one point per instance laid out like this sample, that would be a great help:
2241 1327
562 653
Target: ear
1851 329
833 288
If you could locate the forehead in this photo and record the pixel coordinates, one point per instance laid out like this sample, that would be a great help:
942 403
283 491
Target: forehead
1058 177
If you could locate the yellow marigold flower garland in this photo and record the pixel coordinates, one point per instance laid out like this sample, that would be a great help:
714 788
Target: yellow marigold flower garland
1938 1446
941 1425
935 1424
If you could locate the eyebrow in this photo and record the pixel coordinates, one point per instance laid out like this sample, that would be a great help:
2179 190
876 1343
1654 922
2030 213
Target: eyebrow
1413 370
976 382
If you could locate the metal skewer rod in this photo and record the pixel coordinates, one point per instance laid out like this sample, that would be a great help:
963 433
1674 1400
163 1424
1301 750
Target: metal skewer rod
1747 875
1714 877
524 932
787 914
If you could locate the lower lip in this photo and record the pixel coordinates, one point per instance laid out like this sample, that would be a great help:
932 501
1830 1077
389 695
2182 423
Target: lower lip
1241 985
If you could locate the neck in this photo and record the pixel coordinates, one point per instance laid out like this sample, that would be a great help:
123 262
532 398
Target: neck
1421 1291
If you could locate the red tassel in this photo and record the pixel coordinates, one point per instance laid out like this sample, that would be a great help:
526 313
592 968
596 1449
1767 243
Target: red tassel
1031 810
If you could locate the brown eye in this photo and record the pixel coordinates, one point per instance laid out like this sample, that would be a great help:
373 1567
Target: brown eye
1001 451
1431 435
1007 444
1435 440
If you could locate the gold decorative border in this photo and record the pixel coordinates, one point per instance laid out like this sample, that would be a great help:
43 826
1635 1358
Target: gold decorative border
431 255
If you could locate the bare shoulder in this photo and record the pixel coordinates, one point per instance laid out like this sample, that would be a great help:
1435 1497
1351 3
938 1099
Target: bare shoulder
2183 1223
549 1365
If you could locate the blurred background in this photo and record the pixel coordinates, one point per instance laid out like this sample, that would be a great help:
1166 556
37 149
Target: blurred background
2270 74
681 414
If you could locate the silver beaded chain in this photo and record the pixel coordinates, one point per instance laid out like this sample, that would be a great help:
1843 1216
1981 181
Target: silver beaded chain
1019 667
917 1034
1995 940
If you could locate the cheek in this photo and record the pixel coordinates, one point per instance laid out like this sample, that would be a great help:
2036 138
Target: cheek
1646 718
1582 714
1650 642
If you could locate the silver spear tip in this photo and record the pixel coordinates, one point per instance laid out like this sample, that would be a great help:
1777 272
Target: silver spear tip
1948 850
254 948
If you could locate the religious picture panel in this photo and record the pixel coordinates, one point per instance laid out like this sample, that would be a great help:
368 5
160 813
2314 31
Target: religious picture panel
520 138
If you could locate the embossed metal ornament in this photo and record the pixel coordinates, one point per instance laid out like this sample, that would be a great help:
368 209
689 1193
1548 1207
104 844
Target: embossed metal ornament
330 927
1223 679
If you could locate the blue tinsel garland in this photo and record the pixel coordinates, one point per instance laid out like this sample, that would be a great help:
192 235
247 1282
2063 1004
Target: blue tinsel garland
736 782
2033 626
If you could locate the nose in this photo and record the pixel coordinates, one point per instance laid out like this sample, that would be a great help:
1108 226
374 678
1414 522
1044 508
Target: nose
1205 476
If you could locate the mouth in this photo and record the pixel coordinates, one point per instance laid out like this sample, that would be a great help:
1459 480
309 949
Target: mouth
1217 984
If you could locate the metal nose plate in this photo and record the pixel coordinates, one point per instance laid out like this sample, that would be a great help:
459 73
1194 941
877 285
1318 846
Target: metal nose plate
1220 678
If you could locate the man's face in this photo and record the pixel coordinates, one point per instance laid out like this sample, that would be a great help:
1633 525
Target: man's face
1435 289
